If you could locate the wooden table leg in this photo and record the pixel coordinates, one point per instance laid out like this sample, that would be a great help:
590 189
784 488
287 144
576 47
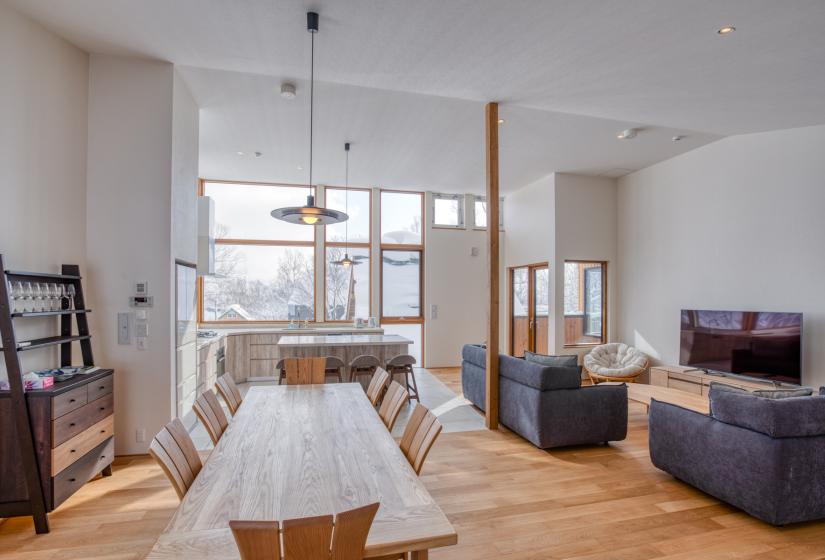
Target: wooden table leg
419 555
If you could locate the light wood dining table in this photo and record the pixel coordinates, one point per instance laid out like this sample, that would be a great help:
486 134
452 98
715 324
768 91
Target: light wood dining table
299 451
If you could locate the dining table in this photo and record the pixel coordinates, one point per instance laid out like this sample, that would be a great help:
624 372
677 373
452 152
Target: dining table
300 451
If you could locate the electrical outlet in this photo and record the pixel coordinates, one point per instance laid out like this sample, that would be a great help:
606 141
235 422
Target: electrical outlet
140 435
141 343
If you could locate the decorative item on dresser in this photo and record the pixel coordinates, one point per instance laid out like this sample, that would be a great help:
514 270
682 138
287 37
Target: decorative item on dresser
55 439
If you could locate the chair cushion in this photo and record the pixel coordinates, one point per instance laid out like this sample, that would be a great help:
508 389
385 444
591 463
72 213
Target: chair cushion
615 360
569 360
776 417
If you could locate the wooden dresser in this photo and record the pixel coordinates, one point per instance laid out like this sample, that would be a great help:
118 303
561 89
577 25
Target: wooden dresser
73 425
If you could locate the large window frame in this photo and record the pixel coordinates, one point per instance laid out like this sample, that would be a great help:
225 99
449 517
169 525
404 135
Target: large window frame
419 248
583 304
360 245
312 244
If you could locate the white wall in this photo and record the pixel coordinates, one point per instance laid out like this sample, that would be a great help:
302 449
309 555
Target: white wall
585 230
129 233
43 88
456 282
736 224
185 142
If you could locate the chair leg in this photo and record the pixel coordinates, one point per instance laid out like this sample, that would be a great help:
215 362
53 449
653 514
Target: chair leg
415 384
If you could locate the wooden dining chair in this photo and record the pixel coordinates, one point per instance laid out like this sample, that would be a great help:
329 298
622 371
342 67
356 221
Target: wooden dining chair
342 537
419 435
392 403
305 371
210 412
229 391
175 452
377 385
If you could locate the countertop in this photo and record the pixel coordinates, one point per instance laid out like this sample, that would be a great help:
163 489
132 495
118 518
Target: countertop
309 331
345 340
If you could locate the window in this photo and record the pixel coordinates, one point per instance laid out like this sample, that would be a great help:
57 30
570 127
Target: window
348 287
402 256
584 302
401 218
480 212
448 210
265 268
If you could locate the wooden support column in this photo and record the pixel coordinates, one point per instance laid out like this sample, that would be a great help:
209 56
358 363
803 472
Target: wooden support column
491 156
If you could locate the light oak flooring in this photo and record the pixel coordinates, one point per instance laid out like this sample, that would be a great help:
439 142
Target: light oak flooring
506 499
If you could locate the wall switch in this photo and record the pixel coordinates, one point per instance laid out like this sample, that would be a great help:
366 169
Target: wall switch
433 311
140 435
123 334
474 251
141 329
141 343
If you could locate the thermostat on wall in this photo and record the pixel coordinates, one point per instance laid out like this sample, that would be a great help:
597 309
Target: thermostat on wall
141 301
142 288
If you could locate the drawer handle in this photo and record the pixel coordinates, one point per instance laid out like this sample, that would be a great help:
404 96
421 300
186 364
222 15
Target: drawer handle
102 457
102 408
102 431
72 425
102 387
72 480
72 450
71 400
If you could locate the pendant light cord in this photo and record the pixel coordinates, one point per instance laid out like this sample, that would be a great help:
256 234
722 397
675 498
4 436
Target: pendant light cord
311 106
346 204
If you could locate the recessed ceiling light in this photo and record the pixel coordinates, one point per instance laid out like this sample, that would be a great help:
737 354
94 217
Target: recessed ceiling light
501 121
627 134
727 30
677 138
300 168
239 153
258 154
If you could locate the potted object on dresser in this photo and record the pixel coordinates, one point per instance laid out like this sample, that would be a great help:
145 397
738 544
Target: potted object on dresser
57 425
763 452
546 404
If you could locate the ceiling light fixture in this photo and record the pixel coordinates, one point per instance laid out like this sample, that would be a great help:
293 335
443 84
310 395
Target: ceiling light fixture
678 138
239 153
346 261
727 30
627 134
288 90
310 214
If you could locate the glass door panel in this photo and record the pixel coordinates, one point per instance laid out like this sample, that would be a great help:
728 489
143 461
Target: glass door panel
520 311
541 308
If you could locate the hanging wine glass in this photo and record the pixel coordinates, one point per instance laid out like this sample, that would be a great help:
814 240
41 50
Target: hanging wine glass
28 297
71 293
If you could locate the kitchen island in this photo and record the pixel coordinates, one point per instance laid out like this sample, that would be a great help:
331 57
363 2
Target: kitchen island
346 347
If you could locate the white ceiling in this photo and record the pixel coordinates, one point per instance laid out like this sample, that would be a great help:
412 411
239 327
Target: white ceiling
569 74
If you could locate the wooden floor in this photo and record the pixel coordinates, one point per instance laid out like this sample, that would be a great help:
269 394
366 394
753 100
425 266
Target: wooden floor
506 498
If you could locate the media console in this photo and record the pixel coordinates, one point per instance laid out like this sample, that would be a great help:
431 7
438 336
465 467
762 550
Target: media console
698 382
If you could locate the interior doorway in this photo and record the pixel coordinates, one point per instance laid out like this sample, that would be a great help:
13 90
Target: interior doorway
529 295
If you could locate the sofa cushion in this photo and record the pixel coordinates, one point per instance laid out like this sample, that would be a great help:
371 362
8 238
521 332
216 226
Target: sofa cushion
570 360
784 393
543 378
786 417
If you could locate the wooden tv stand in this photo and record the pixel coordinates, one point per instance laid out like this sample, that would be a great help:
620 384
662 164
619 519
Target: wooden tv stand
697 381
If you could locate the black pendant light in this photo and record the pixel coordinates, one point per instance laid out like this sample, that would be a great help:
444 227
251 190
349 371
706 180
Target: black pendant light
310 214
346 261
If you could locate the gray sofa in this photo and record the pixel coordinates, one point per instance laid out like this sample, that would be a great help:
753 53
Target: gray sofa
764 456
547 405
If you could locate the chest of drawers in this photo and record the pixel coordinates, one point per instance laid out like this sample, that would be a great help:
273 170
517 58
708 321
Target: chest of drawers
73 426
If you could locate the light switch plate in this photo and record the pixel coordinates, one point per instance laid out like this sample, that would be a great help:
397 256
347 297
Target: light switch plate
123 334
433 311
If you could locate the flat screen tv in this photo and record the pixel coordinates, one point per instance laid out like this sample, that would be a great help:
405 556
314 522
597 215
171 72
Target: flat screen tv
762 345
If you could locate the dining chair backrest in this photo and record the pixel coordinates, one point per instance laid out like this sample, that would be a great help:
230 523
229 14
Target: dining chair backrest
392 403
229 391
342 537
377 384
419 435
305 371
210 413
173 449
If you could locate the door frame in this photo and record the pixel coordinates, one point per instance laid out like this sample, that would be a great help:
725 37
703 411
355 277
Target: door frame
531 311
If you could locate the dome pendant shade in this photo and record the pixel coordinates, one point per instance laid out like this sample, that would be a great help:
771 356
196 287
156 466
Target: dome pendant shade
309 215
346 261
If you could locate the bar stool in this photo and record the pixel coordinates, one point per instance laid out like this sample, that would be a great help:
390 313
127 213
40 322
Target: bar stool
365 364
403 364
280 369
334 367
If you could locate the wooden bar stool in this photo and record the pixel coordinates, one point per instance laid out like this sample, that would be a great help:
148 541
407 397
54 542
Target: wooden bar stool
403 365
365 364
334 367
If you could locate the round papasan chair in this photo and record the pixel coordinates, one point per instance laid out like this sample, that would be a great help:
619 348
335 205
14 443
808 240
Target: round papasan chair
615 362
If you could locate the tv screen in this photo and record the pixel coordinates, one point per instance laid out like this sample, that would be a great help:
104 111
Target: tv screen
757 344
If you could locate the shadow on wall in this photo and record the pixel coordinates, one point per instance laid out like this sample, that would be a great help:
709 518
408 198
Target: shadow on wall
642 344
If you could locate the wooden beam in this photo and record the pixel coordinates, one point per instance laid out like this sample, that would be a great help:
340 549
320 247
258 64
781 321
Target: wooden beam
491 155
